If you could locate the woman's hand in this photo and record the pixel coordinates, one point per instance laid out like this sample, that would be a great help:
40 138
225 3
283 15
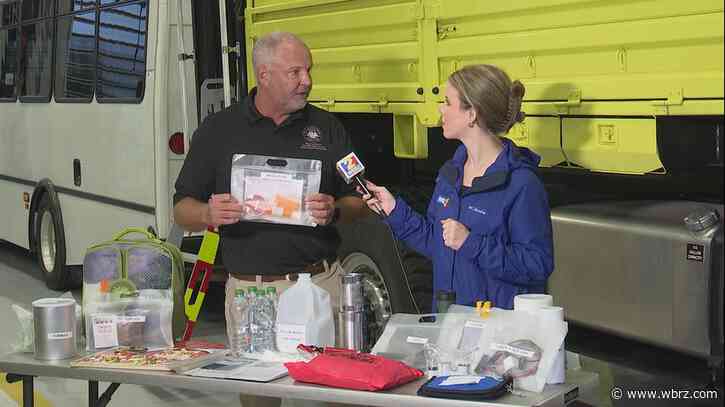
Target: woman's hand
380 196
454 233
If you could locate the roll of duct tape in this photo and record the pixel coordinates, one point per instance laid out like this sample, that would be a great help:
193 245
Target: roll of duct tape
54 322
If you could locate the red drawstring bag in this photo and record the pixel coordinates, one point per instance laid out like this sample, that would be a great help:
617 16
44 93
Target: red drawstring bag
352 370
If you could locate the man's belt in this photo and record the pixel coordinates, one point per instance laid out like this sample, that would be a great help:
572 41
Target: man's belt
312 269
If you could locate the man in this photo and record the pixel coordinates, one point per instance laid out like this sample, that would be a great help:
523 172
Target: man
274 120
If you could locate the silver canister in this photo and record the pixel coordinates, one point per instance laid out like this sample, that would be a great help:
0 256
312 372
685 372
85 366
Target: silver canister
54 324
352 290
351 319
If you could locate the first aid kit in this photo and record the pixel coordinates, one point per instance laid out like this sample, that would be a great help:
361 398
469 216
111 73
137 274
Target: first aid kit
348 369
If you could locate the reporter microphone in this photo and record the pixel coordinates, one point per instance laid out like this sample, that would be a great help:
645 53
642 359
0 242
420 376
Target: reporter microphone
351 169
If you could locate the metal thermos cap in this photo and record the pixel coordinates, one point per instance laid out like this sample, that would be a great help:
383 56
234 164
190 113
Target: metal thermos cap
445 295
351 278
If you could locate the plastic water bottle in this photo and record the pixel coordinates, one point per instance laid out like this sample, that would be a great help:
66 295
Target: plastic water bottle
239 340
273 301
262 323
271 319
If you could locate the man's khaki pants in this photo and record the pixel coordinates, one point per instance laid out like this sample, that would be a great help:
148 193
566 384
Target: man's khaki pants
329 280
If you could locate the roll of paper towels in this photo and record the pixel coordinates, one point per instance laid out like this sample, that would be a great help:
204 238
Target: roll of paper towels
532 302
551 314
542 306
554 316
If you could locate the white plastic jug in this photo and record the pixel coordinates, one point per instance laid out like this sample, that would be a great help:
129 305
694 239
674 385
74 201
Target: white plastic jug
304 315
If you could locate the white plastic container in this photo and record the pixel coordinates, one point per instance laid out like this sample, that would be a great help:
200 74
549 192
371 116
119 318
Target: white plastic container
304 316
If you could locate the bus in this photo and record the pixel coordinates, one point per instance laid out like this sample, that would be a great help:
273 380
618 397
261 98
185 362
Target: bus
94 121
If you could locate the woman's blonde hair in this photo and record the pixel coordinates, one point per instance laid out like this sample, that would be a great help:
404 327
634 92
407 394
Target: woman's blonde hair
490 91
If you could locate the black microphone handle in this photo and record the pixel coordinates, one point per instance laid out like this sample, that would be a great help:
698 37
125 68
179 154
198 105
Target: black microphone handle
378 208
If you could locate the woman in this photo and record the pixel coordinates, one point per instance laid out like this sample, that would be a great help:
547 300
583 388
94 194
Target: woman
488 226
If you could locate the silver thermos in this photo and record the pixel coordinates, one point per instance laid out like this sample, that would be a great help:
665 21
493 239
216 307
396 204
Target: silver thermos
351 319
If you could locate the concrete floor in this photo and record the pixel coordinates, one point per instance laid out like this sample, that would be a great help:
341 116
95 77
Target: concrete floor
620 363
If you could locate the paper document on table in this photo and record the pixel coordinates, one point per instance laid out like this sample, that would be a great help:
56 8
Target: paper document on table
241 369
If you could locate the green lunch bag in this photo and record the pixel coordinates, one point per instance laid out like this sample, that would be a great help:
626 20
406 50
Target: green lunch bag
126 277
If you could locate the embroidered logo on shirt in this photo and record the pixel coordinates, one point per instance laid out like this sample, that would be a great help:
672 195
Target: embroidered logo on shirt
443 201
477 210
312 136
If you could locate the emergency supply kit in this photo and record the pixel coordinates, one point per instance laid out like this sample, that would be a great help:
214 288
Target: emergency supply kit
133 292
272 189
481 342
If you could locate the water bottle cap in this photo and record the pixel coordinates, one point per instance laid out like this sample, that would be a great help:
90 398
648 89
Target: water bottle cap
239 291
252 290
271 290
303 276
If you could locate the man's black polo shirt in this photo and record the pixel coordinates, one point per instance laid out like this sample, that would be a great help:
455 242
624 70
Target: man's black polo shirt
310 133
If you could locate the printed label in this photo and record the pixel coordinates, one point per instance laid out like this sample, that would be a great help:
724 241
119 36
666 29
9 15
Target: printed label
695 252
275 175
60 335
105 333
417 340
512 350
134 318
453 380
475 324
289 336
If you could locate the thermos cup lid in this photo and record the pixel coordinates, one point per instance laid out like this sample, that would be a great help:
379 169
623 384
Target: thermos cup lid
351 278
52 302
446 295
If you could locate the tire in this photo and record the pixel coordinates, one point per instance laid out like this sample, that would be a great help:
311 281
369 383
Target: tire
50 244
368 247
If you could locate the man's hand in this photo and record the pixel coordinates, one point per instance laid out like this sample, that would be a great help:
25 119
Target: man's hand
454 233
223 209
321 208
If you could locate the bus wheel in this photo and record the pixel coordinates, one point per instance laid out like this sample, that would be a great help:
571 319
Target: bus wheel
50 240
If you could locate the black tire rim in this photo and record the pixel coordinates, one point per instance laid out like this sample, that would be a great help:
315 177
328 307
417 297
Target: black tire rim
375 290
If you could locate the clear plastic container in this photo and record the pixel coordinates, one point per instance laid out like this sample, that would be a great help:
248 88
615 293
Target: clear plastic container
272 189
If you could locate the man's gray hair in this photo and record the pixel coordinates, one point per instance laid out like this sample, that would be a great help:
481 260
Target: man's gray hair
264 49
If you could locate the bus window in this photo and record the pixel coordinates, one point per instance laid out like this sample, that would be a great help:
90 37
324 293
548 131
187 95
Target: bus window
35 9
70 6
8 50
75 57
121 65
36 50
